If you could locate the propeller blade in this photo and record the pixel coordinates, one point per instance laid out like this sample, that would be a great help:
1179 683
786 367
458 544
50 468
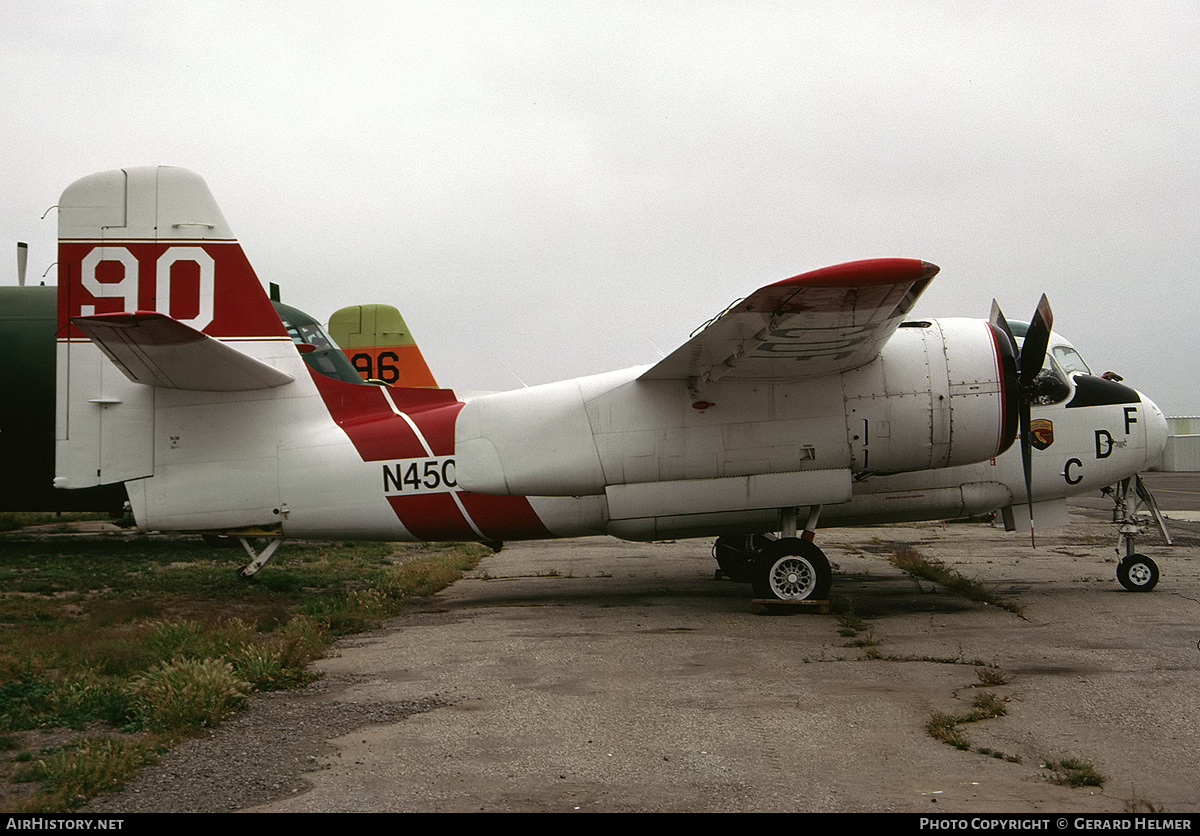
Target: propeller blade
1006 346
997 319
1029 365
1027 461
1030 359
1033 351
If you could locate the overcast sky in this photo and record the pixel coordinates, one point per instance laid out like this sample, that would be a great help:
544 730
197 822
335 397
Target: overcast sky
566 188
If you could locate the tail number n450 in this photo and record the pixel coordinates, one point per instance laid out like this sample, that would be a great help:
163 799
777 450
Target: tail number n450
409 476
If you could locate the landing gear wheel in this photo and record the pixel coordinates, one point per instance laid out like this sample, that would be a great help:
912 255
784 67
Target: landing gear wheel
1138 573
735 555
792 569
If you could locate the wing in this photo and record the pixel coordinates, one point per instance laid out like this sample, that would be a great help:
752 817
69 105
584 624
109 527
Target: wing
156 350
818 323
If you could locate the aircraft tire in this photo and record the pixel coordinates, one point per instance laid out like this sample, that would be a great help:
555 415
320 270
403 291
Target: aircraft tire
1138 573
735 555
732 559
791 569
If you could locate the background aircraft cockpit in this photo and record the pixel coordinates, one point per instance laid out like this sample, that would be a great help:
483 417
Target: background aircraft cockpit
320 352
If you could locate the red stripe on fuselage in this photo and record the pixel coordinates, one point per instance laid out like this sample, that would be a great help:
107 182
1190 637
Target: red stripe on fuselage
503 517
379 434
433 516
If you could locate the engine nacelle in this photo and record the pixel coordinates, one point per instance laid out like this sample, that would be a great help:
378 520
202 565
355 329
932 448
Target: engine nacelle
940 394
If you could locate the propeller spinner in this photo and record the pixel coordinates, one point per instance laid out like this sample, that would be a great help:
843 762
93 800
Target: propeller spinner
1030 358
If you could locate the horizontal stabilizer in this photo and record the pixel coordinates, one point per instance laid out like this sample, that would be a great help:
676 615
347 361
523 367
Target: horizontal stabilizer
156 350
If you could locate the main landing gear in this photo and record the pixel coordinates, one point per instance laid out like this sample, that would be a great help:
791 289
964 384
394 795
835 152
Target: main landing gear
788 568
1133 506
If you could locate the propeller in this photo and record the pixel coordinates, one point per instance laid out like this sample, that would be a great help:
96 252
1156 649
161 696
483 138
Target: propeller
1029 362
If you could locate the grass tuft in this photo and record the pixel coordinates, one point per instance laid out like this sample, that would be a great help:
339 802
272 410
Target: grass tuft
186 695
73 774
143 641
945 727
1074 772
910 560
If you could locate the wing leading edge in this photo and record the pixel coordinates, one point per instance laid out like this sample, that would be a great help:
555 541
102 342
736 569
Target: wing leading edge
817 323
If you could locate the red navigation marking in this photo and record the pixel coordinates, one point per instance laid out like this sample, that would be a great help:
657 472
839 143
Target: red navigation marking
379 434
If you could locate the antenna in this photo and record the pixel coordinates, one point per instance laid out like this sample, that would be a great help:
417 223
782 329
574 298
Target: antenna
22 259
510 371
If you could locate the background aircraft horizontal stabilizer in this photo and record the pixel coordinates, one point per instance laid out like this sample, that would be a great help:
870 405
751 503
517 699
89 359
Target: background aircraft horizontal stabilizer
156 350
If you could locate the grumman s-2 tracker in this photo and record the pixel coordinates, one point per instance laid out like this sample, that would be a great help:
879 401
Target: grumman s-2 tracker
810 400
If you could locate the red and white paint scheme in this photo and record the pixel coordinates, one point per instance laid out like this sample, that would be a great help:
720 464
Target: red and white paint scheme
807 397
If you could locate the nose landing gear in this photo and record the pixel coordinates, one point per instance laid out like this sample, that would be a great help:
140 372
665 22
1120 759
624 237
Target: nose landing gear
1133 505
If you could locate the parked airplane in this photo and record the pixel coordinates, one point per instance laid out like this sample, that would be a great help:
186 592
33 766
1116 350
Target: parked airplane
27 322
809 400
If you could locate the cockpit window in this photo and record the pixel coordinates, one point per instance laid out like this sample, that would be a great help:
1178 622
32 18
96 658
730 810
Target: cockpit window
319 351
311 334
1068 360
1052 385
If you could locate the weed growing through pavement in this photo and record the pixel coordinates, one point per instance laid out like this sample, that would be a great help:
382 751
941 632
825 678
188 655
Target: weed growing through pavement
991 676
909 560
1074 772
945 727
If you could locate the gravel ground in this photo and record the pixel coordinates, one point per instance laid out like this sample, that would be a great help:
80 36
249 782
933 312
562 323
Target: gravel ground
260 755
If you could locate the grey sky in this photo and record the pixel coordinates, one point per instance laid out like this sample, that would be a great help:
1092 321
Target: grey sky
563 186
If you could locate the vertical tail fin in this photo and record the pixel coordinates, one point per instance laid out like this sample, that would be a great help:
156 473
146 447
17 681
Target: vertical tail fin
380 346
142 240
153 239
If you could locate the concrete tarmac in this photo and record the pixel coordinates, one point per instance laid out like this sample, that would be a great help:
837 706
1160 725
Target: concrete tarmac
598 675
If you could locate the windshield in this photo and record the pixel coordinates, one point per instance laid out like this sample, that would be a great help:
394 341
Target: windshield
1052 385
324 356
1068 360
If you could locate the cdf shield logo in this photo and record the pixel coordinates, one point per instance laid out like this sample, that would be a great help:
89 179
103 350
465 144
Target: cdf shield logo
1041 431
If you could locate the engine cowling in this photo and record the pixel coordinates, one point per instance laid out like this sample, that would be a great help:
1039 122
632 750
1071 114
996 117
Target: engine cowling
942 393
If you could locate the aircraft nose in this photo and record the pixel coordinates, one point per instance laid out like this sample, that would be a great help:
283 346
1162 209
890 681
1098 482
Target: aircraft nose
1156 430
